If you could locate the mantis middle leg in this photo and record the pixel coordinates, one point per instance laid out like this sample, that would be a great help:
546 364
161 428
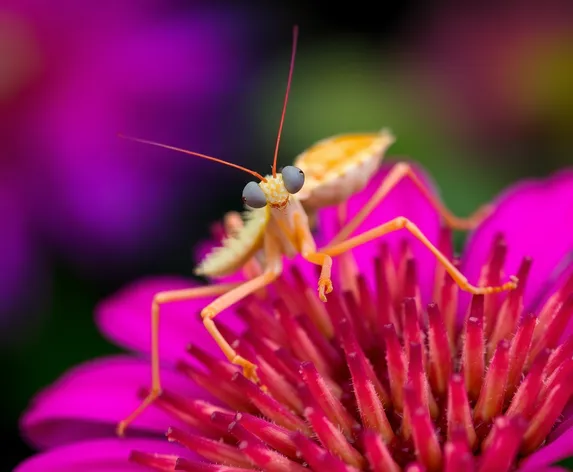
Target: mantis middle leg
396 174
404 223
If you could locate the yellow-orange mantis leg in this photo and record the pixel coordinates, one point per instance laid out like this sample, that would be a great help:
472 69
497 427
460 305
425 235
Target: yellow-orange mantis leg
303 239
273 268
396 174
403 223
159 299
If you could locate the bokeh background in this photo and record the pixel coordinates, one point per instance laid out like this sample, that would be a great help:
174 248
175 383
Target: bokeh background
482 96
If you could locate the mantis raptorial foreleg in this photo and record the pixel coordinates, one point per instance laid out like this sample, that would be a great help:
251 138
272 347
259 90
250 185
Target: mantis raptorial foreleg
403 223
159 299
396 174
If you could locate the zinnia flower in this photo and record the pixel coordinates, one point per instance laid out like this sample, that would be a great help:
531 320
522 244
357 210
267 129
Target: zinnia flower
397 371
72 76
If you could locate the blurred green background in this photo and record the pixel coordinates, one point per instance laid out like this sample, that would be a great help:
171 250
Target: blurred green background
481 96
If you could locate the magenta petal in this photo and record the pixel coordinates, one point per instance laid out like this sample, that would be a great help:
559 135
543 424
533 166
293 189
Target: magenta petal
89 401
404 200
535 217
104 455
557 450
125 319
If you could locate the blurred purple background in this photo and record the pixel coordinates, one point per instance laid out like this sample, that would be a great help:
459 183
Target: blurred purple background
481 96
72 76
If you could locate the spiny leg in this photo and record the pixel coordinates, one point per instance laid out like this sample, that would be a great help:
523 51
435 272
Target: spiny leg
401 223
396 174
228 299
233 224
158 300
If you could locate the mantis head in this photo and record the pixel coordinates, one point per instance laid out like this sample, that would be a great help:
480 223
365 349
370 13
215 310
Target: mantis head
274 191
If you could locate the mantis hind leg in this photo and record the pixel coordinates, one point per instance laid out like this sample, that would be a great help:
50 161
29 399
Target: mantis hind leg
400 171
403 223
159 299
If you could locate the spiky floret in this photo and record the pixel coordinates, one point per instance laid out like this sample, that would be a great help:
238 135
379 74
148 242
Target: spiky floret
374 380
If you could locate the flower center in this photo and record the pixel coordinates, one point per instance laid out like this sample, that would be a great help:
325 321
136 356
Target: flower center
372 380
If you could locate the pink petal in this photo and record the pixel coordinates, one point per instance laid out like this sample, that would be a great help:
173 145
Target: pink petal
535 217
125 319
104 455
559 449
404 200
89 400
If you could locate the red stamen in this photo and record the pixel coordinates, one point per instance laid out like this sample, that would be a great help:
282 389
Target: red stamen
551 307
395 360
458 413
415 467
196 466
312 453
555 328
525 398
358 320
428 450
448 303
473 348
215 451
290 366
299 341
561 376
384 270
333 439
545 418
218 387
491 275
412 332
259 454
326 349
316 310
520 346
268 406
492 394
378 455
440 358
329 404
419 382
155 461
369 403
276 385
195 413
275 436
508 315
350 345
348 273
457 454
502 444
367 304
558 356
267 326
411 288
218 367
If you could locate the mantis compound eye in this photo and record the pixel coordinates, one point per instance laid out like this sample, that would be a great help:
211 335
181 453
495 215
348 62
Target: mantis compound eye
254 196
293 179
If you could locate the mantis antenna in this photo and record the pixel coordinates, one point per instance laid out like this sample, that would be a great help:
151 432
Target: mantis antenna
220 161
291 68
